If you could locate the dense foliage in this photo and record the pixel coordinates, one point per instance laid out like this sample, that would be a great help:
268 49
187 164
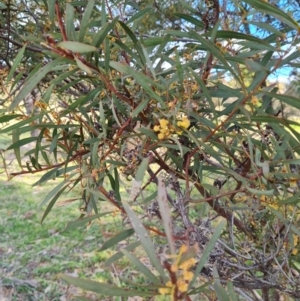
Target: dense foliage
179 95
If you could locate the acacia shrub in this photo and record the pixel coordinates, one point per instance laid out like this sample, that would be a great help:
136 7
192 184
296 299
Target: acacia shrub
117 104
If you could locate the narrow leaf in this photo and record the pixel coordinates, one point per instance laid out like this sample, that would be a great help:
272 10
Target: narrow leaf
103 13
83 221
54 191
15 139
228 34
142 170
143 269
219 289
47 176
144 238
102 33
254 66
70 30
113 241
86 18
16 63
52 203
139 14
83 67
21 142
149 63
295 199
104 288
77 46
190 19
260 192
32 82
231 292
271 9
51 9
290 100
120 254
137 183
137 44
7 118
268 27
165 213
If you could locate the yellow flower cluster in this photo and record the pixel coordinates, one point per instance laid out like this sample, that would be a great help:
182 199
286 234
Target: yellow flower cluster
269 201
182 265
165 128
167 290
183 123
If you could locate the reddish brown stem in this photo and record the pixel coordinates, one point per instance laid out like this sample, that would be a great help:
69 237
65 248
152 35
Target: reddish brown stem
104 192
60 22
163 234
173 278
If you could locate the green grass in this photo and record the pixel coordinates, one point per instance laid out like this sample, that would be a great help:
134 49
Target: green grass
32 254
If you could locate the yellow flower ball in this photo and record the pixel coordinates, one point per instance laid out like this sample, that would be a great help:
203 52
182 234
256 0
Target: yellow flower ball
167 290
187 275
183 249
174 268
165 131
163 122
171 105
188 264
182 286
184 123
156 128
161 136
164 291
